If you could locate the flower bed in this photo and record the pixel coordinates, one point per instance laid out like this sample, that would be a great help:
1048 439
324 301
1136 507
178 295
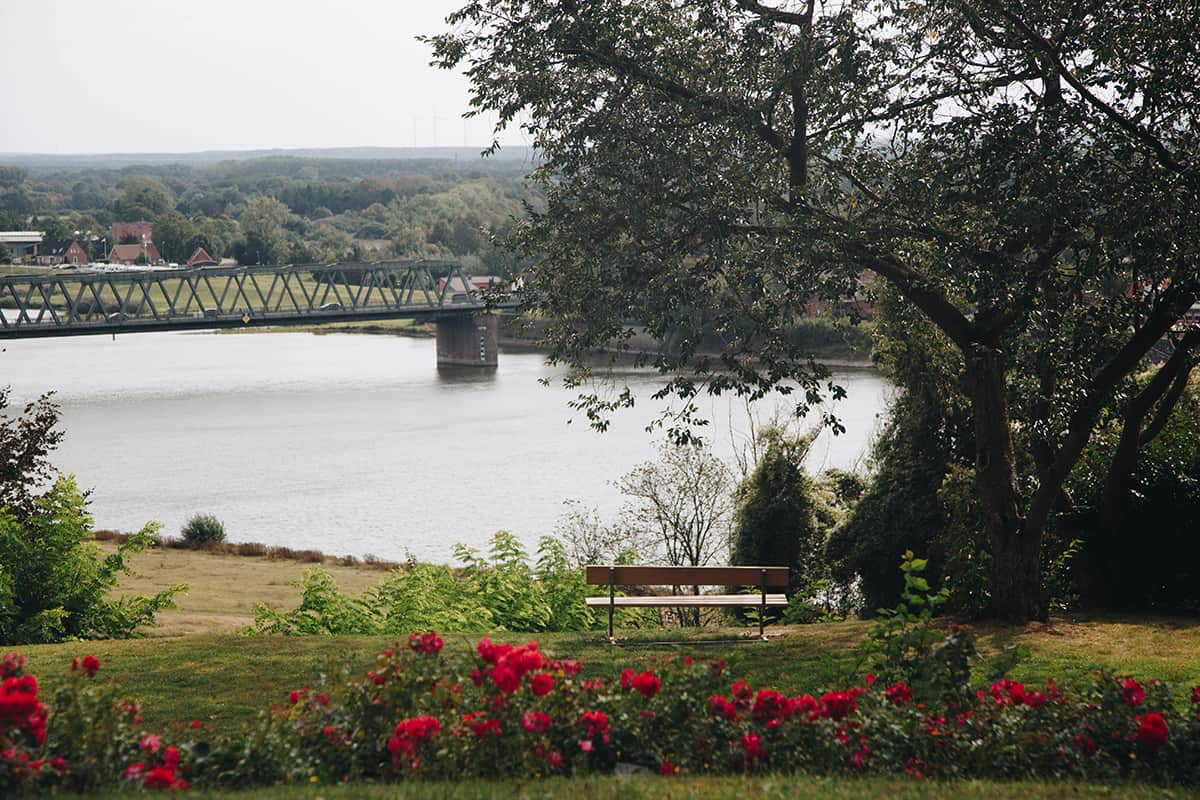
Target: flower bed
513 711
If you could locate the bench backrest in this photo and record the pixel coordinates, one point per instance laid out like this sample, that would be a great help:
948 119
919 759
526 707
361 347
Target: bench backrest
687 576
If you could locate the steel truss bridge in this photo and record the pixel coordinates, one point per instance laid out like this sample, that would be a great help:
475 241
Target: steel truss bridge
82 303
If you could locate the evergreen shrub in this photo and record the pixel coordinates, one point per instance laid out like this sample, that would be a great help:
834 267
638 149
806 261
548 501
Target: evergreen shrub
202 530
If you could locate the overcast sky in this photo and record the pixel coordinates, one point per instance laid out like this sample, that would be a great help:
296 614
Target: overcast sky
122 76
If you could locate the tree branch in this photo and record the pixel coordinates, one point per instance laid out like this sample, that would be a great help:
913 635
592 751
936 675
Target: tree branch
1053 57
1169 308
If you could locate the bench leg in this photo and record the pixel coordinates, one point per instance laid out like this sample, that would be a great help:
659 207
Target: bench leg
612 593
762 606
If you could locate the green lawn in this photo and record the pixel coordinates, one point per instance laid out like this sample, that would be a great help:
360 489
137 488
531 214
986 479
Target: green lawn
226 680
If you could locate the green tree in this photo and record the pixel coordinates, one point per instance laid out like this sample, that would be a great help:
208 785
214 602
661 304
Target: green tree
216 235
142 198
55 228
775 522
5 254
262 222
173 233
714 165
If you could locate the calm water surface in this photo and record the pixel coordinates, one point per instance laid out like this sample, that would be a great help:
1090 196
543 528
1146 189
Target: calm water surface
352 443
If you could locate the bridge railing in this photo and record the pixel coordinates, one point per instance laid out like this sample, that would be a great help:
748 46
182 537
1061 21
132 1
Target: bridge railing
63 303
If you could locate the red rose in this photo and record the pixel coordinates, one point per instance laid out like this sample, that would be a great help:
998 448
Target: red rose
541 684
597 722
804 705
836 705
491 652
898 694
428 643
741 693
11 665
1133 693
506 679
646 684
768 705
752 744
667 768
627 679
718 706
1008 692
1195 694
1152 730
160 778
481 727
91 665
535 721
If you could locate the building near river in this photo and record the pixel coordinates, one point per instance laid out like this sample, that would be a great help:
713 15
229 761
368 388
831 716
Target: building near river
63 251
21 244
129 254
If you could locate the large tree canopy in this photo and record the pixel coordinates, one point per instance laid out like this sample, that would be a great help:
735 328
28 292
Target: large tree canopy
1024 174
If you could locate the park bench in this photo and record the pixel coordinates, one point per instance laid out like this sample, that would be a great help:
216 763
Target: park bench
760 577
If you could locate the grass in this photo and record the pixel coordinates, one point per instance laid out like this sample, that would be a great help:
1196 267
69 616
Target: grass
194 666
224 589
768 788
389 327
227 679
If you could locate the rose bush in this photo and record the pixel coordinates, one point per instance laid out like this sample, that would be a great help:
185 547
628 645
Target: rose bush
514 711
86 737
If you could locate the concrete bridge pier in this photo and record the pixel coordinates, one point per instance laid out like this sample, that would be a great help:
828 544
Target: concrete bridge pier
468 340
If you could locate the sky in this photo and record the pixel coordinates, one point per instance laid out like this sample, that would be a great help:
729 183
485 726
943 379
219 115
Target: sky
137 76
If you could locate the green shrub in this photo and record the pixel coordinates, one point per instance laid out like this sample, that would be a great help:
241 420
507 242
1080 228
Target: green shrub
202 530
55 582
501 591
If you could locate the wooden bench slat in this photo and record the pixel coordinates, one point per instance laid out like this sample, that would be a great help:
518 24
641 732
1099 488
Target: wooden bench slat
686 576
690 600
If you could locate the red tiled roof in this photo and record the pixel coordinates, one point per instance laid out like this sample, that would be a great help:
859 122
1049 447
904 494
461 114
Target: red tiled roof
201 256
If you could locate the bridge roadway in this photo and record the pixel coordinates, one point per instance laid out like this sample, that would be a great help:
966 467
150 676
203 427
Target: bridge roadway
69 303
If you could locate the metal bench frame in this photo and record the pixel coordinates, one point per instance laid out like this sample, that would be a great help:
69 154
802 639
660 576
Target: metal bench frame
762 577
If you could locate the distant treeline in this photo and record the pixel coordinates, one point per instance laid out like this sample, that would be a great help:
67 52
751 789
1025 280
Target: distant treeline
279 208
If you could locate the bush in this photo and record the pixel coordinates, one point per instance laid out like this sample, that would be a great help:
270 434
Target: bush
202 530
513 711
54 584
86 738
502 591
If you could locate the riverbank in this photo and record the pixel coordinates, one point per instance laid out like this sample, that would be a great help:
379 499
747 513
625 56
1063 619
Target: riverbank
827 350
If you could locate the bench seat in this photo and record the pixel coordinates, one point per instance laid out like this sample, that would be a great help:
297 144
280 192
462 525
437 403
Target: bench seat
689 601
614 575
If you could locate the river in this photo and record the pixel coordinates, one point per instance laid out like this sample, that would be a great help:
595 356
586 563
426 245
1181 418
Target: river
350 443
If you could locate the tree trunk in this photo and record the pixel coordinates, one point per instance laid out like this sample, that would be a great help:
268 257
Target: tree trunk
1100 573
1017 592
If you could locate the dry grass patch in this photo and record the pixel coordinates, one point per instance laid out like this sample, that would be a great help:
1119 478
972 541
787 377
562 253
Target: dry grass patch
224 589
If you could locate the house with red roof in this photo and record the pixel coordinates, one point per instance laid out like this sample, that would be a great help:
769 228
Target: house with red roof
201 258
63 251
129 254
